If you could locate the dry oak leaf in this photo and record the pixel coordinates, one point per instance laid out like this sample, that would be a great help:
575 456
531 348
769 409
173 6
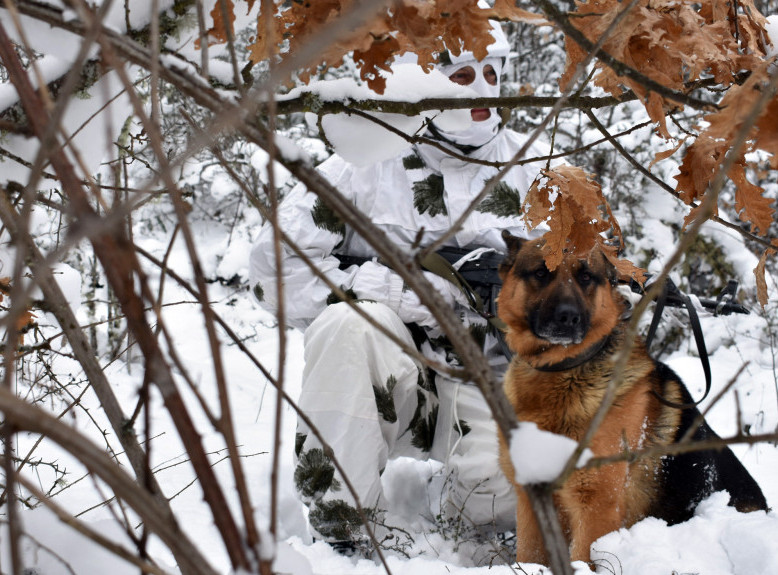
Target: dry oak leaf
703 158
507 10
672 42
218 33
700 164
25 319
761 281
750 203
664 154
422 27
573 207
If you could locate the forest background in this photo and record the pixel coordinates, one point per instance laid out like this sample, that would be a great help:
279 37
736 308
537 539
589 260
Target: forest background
142 424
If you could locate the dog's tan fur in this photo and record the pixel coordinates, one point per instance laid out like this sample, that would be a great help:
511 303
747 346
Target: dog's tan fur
592 502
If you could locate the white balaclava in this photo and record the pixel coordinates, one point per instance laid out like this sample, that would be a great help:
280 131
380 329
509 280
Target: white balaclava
478 133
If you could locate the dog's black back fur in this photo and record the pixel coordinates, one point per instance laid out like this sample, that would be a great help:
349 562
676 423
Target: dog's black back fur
688 478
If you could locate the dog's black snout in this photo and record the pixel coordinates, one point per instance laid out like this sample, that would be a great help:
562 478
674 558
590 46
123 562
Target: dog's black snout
567 315
563 322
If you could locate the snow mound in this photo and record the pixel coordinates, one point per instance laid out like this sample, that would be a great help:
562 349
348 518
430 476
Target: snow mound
718 540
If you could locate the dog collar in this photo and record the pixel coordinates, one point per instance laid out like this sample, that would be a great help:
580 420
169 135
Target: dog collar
571 362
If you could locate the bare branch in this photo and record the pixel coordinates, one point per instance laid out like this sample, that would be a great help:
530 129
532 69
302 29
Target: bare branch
29 418
310 102
561 20
90 533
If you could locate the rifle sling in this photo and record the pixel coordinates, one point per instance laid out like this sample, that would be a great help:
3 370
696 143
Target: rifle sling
435 263
699 339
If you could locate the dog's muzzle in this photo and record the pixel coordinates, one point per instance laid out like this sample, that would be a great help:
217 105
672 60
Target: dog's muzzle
565 323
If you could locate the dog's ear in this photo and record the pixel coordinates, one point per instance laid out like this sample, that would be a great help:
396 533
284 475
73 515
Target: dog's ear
613 274
610 256
514 245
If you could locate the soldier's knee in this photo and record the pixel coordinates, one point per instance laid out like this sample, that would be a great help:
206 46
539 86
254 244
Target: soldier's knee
341 325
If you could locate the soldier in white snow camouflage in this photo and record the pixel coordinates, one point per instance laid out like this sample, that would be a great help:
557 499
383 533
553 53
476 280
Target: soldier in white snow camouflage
370 401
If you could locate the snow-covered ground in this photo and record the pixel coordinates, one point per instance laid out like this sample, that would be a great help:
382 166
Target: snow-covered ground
717 541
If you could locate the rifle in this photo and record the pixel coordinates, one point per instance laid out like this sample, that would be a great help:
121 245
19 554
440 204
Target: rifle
482 273
479 280
724 303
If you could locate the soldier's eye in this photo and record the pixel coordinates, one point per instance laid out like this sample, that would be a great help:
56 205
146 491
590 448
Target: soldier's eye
490 75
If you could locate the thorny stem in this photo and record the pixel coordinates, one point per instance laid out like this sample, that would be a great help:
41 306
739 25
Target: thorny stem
268 8
225 419
88 532
225 12
29 418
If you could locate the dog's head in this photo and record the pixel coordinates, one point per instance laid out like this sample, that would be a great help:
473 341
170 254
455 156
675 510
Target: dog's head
556 315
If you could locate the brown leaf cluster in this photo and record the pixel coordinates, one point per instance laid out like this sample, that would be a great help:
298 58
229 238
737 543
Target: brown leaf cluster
26 319
703 158
677 43
423 27
571 204
673 42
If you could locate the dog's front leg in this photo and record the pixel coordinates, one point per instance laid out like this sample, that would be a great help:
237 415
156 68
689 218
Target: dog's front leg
594 501
529 540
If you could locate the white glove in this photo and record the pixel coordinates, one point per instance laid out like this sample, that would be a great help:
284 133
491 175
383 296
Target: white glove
374 281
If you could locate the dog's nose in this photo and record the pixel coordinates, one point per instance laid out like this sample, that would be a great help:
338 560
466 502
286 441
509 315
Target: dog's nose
564 323
567 315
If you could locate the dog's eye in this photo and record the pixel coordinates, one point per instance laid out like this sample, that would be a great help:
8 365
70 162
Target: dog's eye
584 277
541 273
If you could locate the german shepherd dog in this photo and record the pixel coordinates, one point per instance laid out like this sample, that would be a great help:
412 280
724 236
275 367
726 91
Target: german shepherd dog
565 327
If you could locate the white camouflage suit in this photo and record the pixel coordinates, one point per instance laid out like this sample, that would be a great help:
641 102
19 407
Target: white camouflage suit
370 401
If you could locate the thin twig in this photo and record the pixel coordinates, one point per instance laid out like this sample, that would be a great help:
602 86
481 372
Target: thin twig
766 242
710 200
29 418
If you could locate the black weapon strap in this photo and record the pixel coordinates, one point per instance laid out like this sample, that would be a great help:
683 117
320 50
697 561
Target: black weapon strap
435 263
694 319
